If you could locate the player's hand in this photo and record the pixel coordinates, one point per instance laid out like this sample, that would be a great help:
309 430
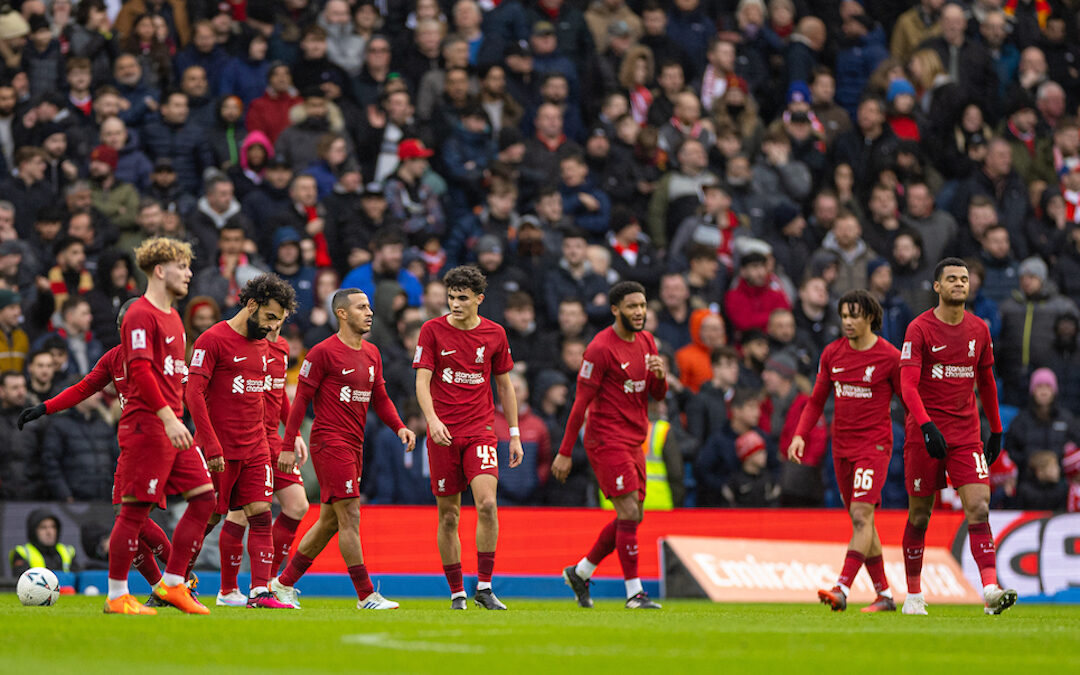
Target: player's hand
795 450
655 364
30 414
178 434
439 433
216 464
408 438
992 448
517 453
286 461
935 442
560 468
301 450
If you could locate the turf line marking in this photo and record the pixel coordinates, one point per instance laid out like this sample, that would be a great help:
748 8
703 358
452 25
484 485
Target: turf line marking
385 641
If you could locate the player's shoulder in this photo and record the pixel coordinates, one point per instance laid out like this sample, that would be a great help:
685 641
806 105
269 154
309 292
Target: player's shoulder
648 338
975 324
885 347
114 355
370 348
211 335
435 323
280 346
833 348
492 326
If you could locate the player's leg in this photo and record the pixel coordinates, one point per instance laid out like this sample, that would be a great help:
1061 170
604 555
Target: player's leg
187 542
123 547
261 554
577 576
231 545
311 545
450 545
153 546
629 511
352 551
914 544
836 597
484 488
976 500
294 506
875 567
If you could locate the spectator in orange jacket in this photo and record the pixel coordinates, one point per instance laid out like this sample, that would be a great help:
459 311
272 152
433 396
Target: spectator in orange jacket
695 359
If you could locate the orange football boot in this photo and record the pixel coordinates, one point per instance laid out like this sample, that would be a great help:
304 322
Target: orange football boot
127 604
179 596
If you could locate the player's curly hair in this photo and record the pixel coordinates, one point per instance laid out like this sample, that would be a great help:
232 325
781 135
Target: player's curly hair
868 306
466 277
161 251
622 289
266 287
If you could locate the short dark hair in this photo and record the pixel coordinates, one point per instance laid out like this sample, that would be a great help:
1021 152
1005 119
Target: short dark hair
696 251
8 374
386 237
341 298
519 300
266 287
466 277
723 352
71 303
622 289
743 396
868 306
66 242
947 262
36 353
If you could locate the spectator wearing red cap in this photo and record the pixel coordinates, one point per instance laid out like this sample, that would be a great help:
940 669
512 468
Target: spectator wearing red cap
1042 425
1003 475
119 201
410 200
751 486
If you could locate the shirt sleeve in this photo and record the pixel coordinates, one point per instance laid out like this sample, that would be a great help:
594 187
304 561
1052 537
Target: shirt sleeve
816 404
911 350
424 357
311 370
95 381
986 355
593 367
503 362
138 333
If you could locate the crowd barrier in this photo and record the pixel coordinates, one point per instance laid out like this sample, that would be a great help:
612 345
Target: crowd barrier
1038 553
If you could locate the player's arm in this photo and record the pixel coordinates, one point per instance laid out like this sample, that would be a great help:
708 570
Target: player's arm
910 376
96 380
436 429
297 456
305 391
988 396
508 399
658 382
586 392
812 412
205 435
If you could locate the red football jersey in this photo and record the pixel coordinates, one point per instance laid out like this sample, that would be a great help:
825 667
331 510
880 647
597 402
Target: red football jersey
863 384
346 380
463 363
277 362
619 414
236 369
158 337
109 368
949 359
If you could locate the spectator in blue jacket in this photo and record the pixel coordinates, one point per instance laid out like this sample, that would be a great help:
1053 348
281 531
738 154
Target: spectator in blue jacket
466 155
204 51
717 461
862 48
387 255
573 277
690 29
402 477
588 205
171 136
245 74
289 265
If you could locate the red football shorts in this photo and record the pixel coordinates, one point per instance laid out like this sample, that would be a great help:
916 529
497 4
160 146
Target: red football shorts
454 466
338 468
150 467
243 482
619 471
924 475
861 476
282 479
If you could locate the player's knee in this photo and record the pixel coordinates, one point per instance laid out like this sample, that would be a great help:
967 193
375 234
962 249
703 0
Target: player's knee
215 518
448 520
295 510
486 508
861 518
979 512
919 519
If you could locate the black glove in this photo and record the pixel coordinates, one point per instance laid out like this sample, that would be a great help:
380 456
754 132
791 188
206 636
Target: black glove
992 448
31 414
935 442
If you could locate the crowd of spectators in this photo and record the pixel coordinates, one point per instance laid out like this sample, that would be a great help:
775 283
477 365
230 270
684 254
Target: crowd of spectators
748 162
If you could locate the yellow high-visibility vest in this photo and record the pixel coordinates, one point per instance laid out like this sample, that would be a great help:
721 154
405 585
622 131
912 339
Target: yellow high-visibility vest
657 489
34 558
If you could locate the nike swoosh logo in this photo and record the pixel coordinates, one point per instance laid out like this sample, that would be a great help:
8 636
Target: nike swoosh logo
624 365
238 359
119 379
838 370
937 349
269 493
346 372
170 339
858 494
447 353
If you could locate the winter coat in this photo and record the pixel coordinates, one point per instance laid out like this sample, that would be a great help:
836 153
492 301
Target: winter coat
399 477
45 70
978 77
299 143
101 51
691 32
262 206
269 113
896 316
416 208
21 475
186 145
245 78
1001 279
1027 330
694 361
855 62
1028 433
134 166
749 306
79 456
27 200
559 283
595 223
213 63
105 299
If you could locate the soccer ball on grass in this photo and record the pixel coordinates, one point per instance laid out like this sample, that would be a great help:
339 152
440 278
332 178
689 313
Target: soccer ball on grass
38 587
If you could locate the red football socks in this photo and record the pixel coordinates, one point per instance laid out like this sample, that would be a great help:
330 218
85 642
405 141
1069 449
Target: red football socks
627 546
284 532
852 564
189 533
453 577
361 581
231 543
914 542
124 540
875 566
260 547
155 538
604 545
485 565
981 541
191 564
298 564
145 563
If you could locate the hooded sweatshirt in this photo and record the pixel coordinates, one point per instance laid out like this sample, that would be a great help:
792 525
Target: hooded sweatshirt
694 360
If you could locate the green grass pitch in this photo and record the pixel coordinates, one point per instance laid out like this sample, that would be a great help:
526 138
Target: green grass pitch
552 637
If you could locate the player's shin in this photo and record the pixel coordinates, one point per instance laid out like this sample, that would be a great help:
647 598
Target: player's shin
124 545
627 546
914 543
145 563
981 541
155 538
188 537
601 548
231 544
284 531
260 551
853 562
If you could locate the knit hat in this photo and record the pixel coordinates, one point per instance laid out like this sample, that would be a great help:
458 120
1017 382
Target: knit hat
783 365
783 213
489 243
747 444
1070 463
874 264
13 25
898 87
618 28
8 298
1043 376
106 154
798 92
1034 266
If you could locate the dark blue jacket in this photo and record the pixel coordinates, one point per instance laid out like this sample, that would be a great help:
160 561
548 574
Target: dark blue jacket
896 315
594 222
399 477
303 282
134 166
245 78
691 31
213 63
138 112
187 147
79 457
855 63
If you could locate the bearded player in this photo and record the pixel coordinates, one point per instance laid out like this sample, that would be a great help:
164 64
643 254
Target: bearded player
946 351
463 351
288 484
620 371
157 455
863 371
343 375
225 394
153 542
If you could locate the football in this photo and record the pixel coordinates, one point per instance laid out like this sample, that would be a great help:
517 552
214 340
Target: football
38 587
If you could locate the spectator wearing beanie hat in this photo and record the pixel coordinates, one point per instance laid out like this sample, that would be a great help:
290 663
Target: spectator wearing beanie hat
1027 326
118 201
751 486
1042 424
900 98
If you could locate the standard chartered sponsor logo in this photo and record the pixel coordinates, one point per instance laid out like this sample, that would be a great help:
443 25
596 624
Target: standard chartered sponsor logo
349 395
852 391
241 386
940 371
450 376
